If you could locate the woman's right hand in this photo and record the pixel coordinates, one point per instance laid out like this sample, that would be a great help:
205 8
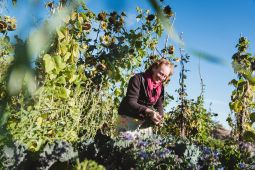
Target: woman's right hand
154 116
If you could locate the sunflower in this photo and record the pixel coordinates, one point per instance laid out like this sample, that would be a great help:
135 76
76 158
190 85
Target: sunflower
106 40
104 25
152 45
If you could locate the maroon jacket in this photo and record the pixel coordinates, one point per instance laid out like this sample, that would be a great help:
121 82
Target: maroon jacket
135 102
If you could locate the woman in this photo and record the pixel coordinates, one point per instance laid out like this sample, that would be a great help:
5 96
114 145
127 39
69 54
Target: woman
143 104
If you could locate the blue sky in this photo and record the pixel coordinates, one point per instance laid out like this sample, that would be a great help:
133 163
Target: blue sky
213 26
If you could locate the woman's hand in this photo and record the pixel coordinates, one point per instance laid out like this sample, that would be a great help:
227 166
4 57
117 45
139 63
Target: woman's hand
154 116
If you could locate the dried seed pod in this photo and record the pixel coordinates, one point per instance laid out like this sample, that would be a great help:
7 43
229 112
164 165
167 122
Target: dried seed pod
113 14
12 27
131 51
50 4
171 49
123 14
3 26
153 57
168 11
150 17
101 67
163 50
86 26
101 16
112 20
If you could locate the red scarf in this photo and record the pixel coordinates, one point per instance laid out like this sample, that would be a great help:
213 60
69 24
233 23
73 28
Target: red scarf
153 89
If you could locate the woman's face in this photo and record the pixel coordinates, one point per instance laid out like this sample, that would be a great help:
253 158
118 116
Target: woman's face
161 73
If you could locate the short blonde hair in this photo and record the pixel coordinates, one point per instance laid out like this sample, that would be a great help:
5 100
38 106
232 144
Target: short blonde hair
160 62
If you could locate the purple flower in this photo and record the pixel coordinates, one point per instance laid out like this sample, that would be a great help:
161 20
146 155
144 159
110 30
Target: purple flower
127 136
158 142
143 143
216 154
143 155
206 150
164 153
241 165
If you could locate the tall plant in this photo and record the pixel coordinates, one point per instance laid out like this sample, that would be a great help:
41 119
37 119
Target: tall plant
242 98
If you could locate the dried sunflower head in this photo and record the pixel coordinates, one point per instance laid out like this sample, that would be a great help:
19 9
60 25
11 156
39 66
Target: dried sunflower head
168 11
101 67
171 49
101 16
12 27
150 17
3 26
86 26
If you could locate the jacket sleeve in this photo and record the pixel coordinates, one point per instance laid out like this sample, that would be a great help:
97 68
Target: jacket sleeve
159 103
132 96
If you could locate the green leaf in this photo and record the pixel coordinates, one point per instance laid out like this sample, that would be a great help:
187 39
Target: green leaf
52 76
117 92
73 78
60 35
67 56
63 92
59 62
139 16
49 64
61 80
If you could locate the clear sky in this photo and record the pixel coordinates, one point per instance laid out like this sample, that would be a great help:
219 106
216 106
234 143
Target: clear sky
213 26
